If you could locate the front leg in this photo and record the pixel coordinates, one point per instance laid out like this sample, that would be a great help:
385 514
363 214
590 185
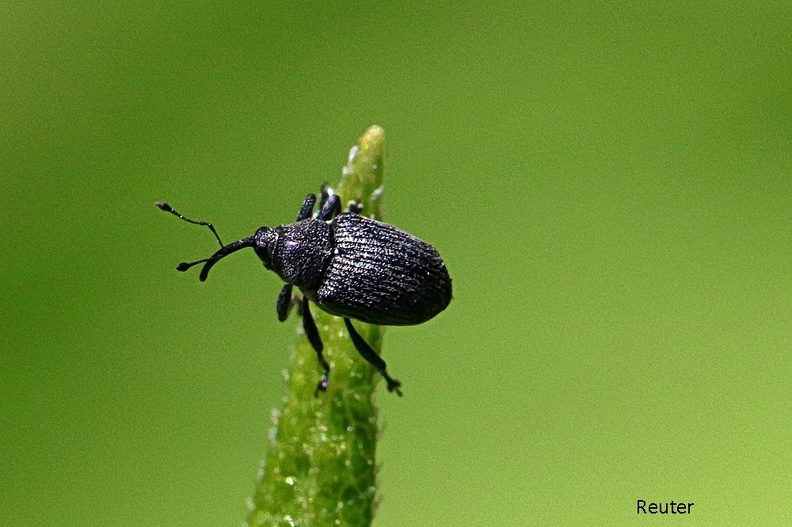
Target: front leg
284 305
307 208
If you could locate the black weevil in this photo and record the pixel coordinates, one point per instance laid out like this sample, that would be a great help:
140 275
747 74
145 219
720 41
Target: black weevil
348 265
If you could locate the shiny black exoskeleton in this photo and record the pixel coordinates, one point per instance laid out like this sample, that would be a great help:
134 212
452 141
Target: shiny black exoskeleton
348 265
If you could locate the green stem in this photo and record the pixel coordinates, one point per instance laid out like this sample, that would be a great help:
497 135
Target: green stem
320 468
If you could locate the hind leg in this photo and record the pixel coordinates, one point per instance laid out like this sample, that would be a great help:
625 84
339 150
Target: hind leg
371 357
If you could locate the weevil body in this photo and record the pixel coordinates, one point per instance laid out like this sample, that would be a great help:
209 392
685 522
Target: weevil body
348 265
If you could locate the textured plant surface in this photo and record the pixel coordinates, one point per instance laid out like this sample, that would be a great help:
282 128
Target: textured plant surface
320 468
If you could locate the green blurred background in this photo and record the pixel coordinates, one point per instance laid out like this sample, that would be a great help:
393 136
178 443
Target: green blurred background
608 183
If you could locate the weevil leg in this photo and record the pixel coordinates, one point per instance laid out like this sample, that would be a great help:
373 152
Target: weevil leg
372 358
355 207
330 209
307 208
329 203
284 305
325 191
309 326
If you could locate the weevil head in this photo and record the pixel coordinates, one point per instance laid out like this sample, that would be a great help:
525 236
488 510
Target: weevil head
264 244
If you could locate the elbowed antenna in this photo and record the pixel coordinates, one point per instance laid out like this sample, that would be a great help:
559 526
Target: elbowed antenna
167 208
224 251
219 255
216 257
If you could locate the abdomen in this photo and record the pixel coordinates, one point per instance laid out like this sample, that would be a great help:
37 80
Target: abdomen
382 275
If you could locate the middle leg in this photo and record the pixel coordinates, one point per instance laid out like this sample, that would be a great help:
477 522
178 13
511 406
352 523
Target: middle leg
312 333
